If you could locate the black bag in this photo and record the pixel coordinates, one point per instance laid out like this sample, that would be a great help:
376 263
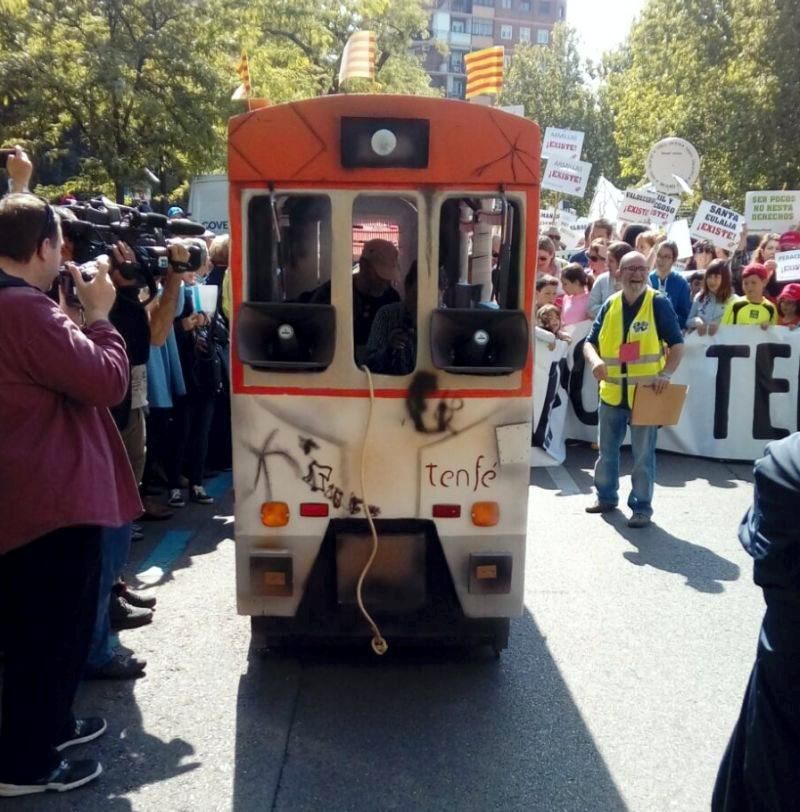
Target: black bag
207 364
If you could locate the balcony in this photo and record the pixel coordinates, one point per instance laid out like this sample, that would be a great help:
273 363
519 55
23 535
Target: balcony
460 39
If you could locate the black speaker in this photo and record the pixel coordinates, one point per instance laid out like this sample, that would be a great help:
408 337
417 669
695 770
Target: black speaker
479 342
286 337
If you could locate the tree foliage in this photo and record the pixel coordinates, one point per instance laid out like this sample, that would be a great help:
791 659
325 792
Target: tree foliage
553 85
724 75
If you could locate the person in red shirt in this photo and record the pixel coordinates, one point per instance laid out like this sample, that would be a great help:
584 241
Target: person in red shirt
64 474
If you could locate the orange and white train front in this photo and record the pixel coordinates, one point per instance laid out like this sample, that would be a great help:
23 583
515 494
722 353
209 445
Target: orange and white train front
433 442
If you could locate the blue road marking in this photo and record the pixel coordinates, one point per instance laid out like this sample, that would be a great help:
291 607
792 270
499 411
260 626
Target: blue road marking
220 484
161 559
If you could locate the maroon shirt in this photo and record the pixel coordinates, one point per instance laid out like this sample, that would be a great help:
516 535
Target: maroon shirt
62 461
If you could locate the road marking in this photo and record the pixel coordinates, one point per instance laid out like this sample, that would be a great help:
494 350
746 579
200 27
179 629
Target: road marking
562 479
161 559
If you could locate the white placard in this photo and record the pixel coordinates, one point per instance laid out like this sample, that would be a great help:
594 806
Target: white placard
514 109
717 224
636 206
568 177
678 232
563 144
788 266
771 211
665 209
670 159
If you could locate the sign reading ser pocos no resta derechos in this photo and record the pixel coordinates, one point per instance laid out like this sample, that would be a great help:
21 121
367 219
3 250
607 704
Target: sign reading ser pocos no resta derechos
721 226
772 211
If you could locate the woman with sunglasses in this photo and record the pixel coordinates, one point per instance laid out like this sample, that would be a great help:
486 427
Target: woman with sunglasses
703 254
598 257
547 264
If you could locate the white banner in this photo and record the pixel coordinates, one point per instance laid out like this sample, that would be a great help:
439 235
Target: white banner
678 232
665 210
719 225
564 144
743 392
771 211
568 177
788 266
637 206
606 201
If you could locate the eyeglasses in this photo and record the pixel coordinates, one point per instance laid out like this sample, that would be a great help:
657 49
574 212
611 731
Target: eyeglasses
634 268
701 251
596 258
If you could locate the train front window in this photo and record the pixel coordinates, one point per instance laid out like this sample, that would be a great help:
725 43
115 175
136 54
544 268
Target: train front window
385 283
289 249
479 251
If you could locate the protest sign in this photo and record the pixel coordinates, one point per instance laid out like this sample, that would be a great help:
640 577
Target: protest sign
636 206
673 166
743 392
606 201
568 177
788 266
678 232
771 211
563 144
665 210
719 225
514 109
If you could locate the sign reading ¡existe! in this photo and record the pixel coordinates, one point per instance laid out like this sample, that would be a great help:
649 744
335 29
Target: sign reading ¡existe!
637 206
719 225
567 177
564 144
788 266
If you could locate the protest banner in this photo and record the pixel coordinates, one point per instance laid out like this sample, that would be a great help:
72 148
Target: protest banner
678 232
771 211
637 206
665 210
563 144
719 225
788 266
672 166
606 200
567 177
743 392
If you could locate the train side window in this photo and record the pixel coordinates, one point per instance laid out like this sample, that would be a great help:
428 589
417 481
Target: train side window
289 249
479 253
385 283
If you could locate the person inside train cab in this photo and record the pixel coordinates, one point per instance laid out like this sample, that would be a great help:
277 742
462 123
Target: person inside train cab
372 289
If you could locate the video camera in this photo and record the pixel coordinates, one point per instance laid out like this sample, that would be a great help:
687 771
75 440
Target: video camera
101 223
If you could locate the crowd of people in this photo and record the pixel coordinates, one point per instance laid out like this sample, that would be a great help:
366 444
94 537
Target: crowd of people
116 403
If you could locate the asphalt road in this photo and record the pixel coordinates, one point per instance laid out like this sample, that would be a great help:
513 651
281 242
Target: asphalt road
619 689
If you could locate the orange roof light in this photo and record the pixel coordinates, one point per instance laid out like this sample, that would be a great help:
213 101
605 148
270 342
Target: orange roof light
485 514
274 514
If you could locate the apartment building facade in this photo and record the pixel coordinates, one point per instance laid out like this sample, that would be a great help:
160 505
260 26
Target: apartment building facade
469 25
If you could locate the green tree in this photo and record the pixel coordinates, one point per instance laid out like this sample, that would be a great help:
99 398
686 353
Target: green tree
554 86
720 73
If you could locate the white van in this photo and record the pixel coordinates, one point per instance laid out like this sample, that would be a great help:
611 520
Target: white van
208 202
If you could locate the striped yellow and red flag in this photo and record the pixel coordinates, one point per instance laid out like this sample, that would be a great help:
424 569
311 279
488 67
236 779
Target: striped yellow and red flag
358 57
484 71
243 69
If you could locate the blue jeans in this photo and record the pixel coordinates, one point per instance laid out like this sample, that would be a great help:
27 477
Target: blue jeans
115 546
613 423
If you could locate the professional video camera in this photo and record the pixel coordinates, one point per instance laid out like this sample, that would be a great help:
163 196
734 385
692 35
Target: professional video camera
101 223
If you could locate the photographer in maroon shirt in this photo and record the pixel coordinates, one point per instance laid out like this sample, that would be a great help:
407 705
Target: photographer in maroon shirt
64 474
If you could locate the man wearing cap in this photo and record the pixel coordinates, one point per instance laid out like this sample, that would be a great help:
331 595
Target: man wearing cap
174 211
761 766
753 307
372 289
625 349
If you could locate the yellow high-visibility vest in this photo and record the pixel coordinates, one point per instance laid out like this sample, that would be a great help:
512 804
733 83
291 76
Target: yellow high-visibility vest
651 349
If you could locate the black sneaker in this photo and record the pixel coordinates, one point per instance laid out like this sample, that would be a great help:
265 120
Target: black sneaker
85 731
134 598
125 616
198 494
68 775
120 666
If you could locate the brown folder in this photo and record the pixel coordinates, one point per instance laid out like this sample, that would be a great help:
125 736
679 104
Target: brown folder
650 409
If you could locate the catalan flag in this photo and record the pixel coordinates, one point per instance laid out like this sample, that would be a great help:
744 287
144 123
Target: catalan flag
243 91
358 57
484 71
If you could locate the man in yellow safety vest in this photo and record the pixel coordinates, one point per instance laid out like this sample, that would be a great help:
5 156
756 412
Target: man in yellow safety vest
625 349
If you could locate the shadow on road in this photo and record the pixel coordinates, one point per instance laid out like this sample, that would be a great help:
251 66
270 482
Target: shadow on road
703 569
428 730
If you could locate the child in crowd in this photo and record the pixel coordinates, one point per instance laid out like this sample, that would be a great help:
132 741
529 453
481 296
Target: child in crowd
577 284
753 307
546 291
709 305
789 306
696 284
548 326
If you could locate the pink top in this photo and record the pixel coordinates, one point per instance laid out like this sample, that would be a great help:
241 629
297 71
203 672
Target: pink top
574 308
62 461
